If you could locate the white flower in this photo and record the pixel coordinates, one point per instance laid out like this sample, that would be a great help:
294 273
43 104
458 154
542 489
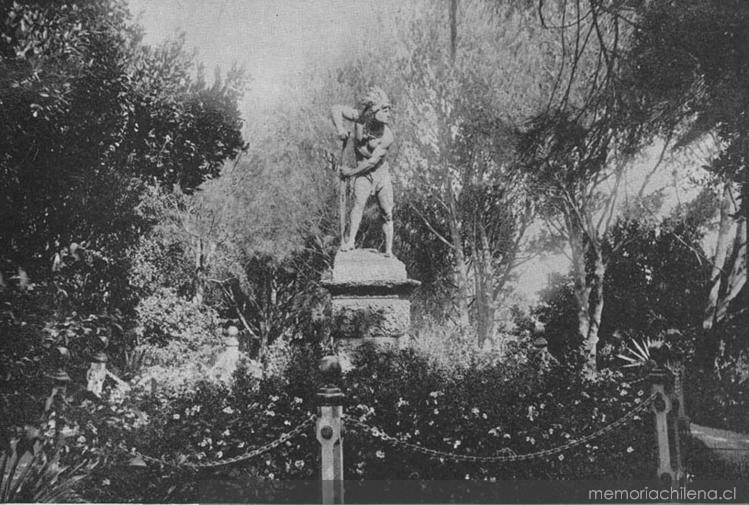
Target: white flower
561 457
475 411
228 410
106 482
299 464
630 449
175 416
380 454
226 432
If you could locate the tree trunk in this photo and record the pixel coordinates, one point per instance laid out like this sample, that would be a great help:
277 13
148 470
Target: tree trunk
595 309
200 274
736 279
460 274
580 285
589 309
453 29
485 281
725 230
485 307
460 268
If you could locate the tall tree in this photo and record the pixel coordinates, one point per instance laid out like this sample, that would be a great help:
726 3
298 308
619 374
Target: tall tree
458 151
579 157
90 114
688 68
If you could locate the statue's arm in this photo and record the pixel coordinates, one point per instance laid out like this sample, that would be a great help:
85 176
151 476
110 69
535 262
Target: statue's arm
377 155
341 112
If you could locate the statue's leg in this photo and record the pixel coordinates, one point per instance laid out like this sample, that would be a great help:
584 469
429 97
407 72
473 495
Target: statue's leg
362 187
385 199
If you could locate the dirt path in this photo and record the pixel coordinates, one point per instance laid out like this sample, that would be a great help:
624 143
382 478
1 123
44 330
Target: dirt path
727 445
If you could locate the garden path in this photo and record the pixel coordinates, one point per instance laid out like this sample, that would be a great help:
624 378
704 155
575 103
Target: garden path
728 446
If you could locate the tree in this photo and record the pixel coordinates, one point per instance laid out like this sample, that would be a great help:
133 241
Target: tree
653 285
582 149
91 117
90 113
687 69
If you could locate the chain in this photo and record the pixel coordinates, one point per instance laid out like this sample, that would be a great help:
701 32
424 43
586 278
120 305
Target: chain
509 455
678 379
637 381
244 457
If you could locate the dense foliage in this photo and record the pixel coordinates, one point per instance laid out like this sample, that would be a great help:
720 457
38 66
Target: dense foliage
401 393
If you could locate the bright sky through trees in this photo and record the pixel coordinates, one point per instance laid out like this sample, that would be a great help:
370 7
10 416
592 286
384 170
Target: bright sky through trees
272 39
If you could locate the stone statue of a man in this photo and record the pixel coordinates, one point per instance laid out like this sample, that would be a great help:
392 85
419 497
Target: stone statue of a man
371 175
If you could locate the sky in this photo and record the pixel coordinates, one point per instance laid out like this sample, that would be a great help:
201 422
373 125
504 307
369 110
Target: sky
276 39
273 40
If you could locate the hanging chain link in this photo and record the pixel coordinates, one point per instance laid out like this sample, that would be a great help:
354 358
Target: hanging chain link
678 380
509 455
247 455
637 381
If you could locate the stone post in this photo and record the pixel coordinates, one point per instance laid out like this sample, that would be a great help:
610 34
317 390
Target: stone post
661 407
60 378
329 433
97 372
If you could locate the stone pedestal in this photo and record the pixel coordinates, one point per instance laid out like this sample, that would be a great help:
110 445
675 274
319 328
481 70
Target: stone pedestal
370 298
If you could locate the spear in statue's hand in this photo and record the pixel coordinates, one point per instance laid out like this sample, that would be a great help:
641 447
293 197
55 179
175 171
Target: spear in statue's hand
342 189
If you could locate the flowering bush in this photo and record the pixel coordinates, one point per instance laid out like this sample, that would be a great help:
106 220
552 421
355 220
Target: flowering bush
488 411
483 410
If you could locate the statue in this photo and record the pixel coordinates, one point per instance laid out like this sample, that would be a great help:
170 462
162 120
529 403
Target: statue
371 175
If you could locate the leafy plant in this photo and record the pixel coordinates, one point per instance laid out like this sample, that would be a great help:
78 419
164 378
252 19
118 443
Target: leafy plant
637 353
31 475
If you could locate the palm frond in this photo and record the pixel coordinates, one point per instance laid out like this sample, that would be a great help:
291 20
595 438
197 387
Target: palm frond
34 477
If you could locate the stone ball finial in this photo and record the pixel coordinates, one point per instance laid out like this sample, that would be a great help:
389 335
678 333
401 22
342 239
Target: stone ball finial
329 365
232 331
540 343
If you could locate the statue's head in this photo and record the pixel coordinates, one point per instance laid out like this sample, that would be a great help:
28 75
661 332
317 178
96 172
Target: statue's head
376 105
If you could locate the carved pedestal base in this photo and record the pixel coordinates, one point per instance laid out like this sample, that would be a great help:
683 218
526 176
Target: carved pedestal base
370 298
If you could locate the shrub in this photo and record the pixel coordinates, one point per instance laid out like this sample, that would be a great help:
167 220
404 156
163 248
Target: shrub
179 339
483 411
480 410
